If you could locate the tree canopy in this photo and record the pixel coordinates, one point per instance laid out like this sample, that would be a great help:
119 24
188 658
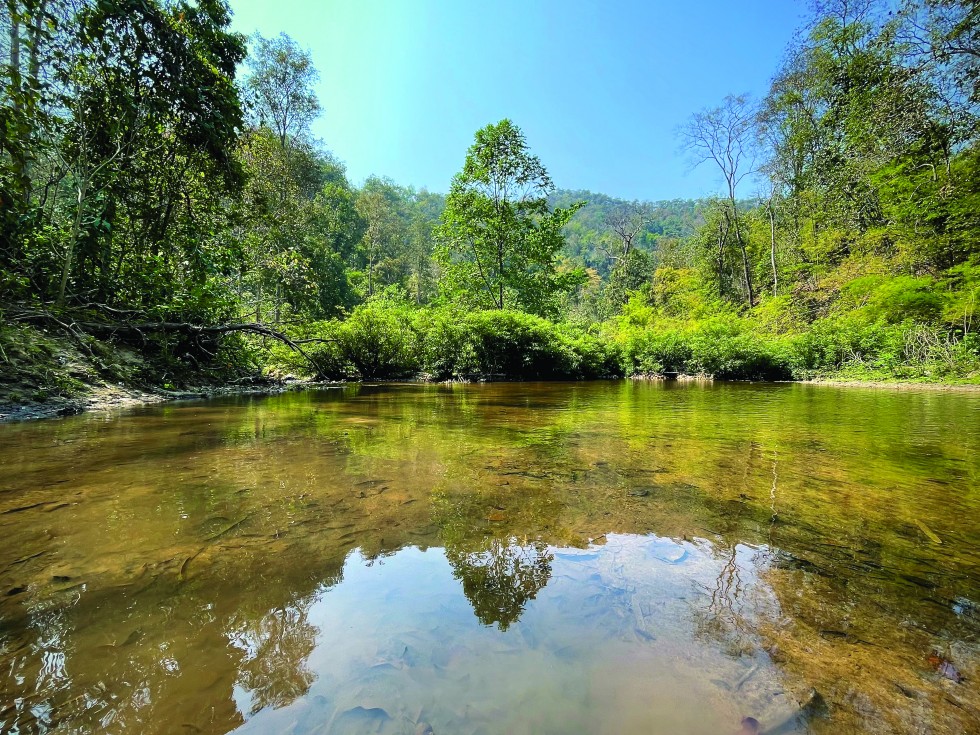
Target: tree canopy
499 237
142 181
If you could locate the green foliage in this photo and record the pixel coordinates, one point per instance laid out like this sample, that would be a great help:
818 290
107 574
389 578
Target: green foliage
720 347
280 87
302 229
588 231
499 238
964 297
894 299
379 341
512 345
654 352
387 338
850 347
129 180
122 173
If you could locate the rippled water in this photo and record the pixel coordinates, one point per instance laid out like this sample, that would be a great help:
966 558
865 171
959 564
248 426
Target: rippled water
512 558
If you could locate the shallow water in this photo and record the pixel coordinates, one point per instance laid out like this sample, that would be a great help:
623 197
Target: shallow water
512 558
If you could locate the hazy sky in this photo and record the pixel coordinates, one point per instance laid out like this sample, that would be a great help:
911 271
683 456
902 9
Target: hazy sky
599 88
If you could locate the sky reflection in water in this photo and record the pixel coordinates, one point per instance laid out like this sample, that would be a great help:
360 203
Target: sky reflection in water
541 558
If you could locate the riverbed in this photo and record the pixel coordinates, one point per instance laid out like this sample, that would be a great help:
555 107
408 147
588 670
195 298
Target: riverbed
604 557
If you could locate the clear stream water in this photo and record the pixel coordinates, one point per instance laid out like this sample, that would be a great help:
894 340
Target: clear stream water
608 557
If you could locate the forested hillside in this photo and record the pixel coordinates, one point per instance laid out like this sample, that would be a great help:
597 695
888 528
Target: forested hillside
161 192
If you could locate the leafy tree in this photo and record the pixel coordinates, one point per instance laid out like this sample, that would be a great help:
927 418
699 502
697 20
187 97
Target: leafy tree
383 244
425 210
631 273
118 112
280 87
499 238
299 229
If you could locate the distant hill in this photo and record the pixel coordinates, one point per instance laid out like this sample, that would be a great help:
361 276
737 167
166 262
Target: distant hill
674 218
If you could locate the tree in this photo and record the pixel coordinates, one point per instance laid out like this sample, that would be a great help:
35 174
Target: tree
118 126
725 135
627 220
378 203
280 87
632 271
425 211
498 237
298 229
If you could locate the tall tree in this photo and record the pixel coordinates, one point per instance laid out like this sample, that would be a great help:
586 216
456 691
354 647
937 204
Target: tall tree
114 115
279 87
724 135
298 228
384 239
425 211
499 239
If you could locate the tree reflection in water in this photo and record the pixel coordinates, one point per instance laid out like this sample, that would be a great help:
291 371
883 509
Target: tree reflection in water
276 647
502 577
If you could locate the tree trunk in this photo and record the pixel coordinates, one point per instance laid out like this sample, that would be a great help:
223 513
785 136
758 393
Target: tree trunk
16 91
34 39
34 27
500 275
772 246
722 237
371 276
14 55
73 240
745 257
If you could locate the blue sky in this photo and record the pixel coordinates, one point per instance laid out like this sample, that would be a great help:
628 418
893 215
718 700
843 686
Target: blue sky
599 88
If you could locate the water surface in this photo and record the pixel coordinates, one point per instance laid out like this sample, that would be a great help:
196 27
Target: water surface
512 558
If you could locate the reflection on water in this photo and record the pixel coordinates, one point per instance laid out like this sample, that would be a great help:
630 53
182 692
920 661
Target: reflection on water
518 558
604 648
500 579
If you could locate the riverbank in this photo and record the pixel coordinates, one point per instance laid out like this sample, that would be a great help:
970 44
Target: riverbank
894 385
43 374
106 397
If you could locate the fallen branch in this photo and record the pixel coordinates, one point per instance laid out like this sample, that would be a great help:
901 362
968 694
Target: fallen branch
138 329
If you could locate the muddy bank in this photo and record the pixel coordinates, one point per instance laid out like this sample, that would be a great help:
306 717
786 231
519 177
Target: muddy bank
895 385
43 374
109 397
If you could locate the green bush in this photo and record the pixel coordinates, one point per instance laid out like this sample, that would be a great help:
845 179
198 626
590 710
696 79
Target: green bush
649 351
512 344
592 355
389 339
893 299
379 341
722 347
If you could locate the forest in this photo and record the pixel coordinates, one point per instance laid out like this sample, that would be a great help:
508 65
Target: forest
166 211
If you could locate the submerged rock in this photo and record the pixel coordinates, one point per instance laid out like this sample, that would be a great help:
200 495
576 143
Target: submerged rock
946 668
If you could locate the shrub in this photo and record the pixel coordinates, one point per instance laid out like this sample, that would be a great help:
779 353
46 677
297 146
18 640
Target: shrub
649 351
592 355
378 339
722 348
511 345
515 345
